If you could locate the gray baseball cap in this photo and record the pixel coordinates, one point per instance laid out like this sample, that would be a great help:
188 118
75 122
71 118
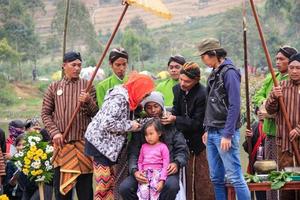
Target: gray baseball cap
208 44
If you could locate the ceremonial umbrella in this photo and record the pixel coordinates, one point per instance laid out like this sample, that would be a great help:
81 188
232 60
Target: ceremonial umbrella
156 7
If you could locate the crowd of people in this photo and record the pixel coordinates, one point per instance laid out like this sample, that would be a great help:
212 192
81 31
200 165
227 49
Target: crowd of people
174 140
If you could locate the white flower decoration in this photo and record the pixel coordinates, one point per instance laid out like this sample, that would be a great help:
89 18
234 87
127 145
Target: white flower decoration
40 178
32 143
49 149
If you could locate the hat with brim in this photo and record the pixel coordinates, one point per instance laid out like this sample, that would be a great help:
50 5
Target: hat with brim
208 44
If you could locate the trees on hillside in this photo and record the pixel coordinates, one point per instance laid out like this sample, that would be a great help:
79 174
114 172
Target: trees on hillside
80 29
138 42
18 29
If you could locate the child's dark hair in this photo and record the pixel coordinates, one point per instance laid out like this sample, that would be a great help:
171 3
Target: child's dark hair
19 139
219 53
155 122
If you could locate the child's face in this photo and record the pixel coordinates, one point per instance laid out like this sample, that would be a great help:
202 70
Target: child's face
20 145
151 135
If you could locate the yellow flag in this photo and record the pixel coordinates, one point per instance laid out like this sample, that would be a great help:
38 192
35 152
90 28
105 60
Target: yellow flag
155 6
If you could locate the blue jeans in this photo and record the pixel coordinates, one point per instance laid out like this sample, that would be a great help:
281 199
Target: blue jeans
221 163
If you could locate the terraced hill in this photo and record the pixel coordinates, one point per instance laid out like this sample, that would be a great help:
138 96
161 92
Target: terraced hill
104 16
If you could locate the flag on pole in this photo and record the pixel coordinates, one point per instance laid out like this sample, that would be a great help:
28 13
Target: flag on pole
155 6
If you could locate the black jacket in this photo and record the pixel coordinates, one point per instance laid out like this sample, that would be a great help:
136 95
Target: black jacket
172 138
189 110
217 101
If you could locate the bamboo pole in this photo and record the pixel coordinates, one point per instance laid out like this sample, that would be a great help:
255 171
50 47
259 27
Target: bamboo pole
65 33
281 103
248 124
66 132
41 186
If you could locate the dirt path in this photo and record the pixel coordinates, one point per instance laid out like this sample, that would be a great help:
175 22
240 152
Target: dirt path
25 91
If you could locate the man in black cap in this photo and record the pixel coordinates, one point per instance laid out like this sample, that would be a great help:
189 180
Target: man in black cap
289 90
118 60
165 87
269 127
72 167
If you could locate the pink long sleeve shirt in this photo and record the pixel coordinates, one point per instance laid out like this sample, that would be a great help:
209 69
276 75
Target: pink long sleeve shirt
154 157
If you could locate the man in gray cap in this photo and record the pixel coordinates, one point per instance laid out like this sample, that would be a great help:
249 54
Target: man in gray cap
154 107
222 120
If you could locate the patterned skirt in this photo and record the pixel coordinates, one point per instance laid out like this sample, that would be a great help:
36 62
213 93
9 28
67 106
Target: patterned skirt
105 179
148 191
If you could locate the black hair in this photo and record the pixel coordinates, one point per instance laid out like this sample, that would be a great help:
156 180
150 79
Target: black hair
155 122
219 53
117 53
71 56
19 139
178 59
45 135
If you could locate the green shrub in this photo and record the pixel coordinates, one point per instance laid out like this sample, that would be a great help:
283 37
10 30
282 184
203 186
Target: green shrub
43 86
6 97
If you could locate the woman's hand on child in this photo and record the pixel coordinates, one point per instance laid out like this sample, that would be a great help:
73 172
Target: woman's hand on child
172 168
160 186
135 126
140 177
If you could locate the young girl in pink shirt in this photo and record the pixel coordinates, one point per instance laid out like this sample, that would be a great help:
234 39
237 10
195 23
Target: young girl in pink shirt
153 161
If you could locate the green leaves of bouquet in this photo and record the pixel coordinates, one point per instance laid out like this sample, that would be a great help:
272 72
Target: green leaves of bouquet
35 158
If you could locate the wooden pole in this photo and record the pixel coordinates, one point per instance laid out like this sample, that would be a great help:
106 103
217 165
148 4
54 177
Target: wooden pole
248 124
90 83
41 190
65 33
281 103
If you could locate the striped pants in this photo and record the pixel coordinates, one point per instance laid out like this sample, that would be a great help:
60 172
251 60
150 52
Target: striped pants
105 179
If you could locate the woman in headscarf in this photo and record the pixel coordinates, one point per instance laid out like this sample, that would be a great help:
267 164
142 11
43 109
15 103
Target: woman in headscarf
15 128
106 134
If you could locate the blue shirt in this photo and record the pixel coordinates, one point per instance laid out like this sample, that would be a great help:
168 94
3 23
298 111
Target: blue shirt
232 82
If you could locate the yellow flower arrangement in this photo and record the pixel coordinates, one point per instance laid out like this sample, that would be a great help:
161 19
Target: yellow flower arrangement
4 197
35 159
